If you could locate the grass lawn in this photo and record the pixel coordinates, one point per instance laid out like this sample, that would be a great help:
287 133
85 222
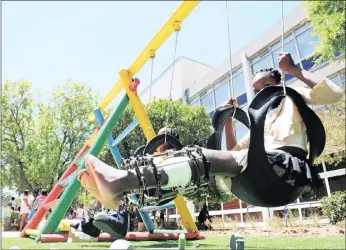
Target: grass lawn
211 242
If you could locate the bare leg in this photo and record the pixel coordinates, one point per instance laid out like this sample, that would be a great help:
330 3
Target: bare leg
108 184
22 221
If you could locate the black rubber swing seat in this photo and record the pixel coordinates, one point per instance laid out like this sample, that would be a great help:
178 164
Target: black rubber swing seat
259 185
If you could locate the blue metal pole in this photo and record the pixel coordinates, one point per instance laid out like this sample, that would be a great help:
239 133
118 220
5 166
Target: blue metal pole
126 131
156 208
114 149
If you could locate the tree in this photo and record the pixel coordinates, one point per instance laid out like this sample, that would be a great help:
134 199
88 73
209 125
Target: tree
328 20
192 123
39 140
333 119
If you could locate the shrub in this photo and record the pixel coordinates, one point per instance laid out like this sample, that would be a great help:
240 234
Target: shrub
335 206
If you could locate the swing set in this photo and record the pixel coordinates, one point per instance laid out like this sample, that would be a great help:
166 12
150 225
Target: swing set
69 185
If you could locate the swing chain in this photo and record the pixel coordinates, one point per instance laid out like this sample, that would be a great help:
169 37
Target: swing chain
177 27
282 43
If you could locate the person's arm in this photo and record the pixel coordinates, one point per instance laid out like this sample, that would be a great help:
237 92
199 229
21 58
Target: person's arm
322 90
231 140
286 64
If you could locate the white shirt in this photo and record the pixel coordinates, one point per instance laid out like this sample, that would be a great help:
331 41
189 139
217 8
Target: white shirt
13 204
81 213
284 125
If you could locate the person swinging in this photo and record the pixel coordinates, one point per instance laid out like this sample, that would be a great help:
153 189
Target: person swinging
285 141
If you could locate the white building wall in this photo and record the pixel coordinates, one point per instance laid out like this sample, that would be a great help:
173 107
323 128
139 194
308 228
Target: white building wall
186 71
271 36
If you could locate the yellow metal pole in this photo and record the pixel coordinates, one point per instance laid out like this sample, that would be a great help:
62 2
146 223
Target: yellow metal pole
137 105
110 96
184 9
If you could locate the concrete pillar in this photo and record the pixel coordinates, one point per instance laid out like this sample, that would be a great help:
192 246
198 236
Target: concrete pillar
326 181
241 214
246 65
222 216
300 211
265 215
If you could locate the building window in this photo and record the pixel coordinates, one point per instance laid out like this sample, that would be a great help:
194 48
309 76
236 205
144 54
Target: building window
242 99
289 47
238 84
342 78
264 62
211 114
240 130
196 103
300 43
194 99
208 100
338 79
221 95
306 43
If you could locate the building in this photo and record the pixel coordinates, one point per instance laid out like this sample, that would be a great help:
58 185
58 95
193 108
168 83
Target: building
198 84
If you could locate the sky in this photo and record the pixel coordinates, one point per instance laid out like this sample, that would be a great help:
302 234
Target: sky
89 42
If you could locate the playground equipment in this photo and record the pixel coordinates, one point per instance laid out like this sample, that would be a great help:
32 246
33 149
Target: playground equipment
68 183
61 234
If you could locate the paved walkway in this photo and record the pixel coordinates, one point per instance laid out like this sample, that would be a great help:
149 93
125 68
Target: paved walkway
9 234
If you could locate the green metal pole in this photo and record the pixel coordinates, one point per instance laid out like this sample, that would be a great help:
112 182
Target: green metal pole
71 190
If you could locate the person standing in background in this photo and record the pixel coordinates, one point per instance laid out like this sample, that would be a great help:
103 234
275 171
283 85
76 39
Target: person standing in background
81 213
13 203
25 208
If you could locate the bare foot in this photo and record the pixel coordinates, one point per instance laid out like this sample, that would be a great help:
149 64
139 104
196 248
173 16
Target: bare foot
88 182
103 181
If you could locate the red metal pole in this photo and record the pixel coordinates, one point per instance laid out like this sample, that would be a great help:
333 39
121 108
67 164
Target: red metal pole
57 189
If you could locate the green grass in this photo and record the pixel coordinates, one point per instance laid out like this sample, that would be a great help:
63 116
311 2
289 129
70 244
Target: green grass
211 242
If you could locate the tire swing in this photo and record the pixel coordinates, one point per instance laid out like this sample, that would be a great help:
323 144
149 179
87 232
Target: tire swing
258 185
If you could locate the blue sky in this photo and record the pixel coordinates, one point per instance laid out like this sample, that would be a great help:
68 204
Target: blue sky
49 42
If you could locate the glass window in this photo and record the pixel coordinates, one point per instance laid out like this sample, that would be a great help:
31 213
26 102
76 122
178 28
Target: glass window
193 99
238 84
309 63
265 62
208 101
289 47
336 79
195 104
211 114
221 81
221 95
240 132
237 71
306 43
301 29
342 79
242 99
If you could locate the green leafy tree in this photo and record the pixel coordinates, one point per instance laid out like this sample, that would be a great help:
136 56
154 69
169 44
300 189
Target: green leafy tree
328 21
333 118
335 207
39 140
192 123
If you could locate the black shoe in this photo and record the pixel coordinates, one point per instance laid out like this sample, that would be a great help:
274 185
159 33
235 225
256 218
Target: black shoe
75 225
116 223
89 228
